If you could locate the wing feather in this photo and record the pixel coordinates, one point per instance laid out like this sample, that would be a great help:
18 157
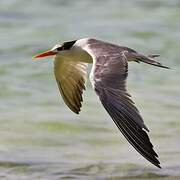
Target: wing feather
108 75
71 78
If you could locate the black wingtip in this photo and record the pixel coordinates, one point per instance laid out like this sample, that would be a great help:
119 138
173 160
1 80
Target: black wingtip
166 67
76 111
158 165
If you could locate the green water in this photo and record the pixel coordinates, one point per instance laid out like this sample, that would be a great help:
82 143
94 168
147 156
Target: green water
39 137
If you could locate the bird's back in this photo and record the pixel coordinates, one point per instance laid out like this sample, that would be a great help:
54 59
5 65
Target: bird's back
100 48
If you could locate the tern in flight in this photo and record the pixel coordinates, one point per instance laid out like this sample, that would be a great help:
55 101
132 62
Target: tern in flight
108 77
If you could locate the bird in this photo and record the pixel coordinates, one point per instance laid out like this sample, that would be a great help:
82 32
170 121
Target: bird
108 78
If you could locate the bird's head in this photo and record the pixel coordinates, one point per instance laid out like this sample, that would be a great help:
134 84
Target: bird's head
57 49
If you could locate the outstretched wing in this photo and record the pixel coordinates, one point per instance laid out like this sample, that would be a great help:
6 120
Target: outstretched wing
108 76
70 77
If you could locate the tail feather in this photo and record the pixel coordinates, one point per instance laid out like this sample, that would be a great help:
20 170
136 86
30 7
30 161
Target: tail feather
151 61
146 59
153 55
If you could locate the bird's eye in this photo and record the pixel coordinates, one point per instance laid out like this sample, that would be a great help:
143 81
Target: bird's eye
59 48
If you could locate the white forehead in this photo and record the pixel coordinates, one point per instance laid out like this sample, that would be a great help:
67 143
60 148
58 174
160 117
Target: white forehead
56 46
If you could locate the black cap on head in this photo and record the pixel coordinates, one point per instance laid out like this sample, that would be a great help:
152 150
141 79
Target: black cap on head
66 45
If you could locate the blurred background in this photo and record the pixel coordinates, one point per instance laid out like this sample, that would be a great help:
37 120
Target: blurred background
39 136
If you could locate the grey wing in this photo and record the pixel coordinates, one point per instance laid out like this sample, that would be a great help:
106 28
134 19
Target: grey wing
71 77
108 76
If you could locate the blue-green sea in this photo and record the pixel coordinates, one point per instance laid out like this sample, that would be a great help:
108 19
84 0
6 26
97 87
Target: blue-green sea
40 138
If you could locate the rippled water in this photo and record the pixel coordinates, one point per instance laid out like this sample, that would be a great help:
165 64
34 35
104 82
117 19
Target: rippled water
39 136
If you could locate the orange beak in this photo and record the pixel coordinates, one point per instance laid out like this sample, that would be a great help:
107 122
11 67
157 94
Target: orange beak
44 54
